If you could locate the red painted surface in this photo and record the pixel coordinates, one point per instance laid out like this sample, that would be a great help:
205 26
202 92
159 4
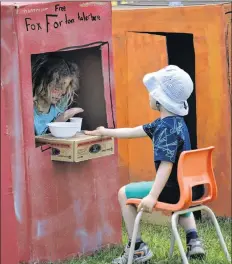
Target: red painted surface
8 219
61 209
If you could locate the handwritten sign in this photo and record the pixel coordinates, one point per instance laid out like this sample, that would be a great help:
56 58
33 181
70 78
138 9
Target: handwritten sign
58 19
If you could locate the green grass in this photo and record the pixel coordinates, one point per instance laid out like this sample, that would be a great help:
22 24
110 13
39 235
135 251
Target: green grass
158 238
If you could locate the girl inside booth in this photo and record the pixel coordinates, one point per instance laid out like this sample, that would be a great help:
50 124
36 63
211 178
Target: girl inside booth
55 83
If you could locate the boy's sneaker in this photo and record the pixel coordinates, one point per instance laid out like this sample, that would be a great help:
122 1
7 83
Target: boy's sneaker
141 255
195 249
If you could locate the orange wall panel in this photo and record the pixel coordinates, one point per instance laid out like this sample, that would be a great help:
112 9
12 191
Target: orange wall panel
227 12
143 54
137 52
120 55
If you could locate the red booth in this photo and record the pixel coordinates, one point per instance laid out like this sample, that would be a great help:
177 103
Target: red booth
58 209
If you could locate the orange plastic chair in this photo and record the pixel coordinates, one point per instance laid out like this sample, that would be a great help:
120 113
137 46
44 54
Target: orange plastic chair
194 168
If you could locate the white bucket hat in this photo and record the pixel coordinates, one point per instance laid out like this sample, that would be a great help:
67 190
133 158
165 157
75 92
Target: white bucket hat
171 87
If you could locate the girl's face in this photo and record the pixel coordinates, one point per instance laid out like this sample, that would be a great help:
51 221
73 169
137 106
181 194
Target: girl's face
58 90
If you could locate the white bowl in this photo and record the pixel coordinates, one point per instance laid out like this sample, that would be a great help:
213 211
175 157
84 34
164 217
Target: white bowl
63 129
77 120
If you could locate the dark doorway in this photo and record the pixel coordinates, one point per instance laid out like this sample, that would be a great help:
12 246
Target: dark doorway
181 52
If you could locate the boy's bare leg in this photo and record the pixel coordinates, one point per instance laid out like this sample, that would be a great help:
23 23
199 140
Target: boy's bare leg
188 222
142 252
129 213
194 246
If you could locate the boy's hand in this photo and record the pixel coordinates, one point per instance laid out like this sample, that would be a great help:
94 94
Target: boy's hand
97 132
147 204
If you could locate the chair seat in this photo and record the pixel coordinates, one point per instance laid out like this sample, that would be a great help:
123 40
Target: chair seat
160 206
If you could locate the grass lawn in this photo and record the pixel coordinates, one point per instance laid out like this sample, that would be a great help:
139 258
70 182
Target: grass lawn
158 238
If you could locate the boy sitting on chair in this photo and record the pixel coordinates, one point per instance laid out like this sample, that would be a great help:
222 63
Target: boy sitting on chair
169 89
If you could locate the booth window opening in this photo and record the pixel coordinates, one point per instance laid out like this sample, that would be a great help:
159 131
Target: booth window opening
71 78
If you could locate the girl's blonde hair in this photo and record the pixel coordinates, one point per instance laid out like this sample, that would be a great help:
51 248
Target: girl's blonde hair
49 70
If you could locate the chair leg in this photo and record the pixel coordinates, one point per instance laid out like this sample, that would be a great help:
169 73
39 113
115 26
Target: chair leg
178 239
134 235
173 240
219 233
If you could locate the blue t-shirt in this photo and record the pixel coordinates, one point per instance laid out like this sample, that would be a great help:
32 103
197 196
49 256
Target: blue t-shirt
41 120
170 137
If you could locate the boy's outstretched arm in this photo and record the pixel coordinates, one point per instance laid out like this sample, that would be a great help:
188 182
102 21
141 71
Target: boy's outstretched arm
135 132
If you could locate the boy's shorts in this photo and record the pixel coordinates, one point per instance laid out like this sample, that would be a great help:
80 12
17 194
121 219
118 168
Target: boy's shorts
170 193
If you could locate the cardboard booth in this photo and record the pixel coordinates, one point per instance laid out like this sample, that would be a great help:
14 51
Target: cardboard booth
57 209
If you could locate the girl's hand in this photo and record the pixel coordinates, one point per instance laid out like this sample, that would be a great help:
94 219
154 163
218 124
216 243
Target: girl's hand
69 114
72 112
98 132
147 204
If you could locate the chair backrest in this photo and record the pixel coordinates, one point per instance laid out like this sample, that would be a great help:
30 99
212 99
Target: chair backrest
195 168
